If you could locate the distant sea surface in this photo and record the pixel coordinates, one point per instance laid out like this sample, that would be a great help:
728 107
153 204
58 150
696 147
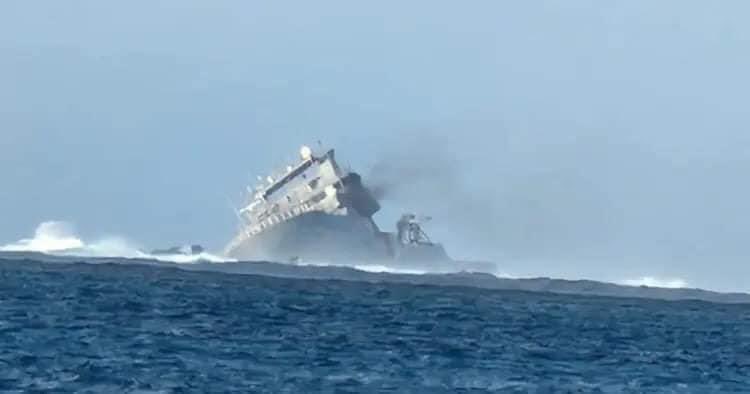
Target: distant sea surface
107 328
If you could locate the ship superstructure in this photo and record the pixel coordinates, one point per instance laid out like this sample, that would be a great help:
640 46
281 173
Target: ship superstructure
315 210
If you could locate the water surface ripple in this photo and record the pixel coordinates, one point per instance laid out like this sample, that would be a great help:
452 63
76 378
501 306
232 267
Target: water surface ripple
117 328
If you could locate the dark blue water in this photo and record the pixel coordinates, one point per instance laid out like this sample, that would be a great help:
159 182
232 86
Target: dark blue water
88 328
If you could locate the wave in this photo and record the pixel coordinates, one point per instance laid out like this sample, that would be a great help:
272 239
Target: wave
650 281
414 268
52 236
60 238
363 267
35 261
390 270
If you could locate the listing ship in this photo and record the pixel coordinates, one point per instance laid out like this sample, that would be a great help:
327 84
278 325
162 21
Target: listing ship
316 211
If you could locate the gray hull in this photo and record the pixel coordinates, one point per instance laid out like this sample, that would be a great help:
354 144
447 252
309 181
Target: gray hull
340 239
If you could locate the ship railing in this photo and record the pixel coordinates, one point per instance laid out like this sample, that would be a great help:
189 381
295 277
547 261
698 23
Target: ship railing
276 219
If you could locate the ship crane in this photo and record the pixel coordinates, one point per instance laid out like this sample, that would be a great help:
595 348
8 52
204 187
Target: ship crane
410 230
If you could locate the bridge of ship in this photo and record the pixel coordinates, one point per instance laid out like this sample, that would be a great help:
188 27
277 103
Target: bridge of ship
302 189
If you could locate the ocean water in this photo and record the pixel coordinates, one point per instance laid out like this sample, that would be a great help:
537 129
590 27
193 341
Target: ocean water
125 328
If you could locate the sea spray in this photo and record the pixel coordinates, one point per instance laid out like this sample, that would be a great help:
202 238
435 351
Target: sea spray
60 238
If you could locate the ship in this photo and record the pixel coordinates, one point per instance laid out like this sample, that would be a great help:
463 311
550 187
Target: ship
317 211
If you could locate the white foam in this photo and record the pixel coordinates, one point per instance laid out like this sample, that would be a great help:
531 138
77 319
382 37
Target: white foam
188 259
362 267
503 275
60 238
380 268
385 269
650 281
52 236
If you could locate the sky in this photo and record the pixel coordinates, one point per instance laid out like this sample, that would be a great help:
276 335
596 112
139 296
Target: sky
576 139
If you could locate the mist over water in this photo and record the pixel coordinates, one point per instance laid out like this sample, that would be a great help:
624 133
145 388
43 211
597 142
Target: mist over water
560 209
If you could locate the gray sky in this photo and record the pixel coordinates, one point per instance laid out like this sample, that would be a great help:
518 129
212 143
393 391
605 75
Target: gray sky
605 140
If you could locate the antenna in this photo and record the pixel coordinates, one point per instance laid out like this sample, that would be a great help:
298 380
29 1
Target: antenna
236 212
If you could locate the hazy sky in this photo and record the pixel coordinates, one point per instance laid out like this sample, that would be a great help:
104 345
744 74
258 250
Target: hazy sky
592 139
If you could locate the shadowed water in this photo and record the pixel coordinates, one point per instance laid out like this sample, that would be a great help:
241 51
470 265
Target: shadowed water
121 328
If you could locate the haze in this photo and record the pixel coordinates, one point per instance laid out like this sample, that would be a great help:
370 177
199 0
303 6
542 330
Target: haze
576 139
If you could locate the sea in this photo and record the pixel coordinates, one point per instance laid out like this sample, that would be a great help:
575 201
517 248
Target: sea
130 328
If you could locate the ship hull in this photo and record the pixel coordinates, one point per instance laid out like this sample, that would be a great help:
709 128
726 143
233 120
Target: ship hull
336 239
317 212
